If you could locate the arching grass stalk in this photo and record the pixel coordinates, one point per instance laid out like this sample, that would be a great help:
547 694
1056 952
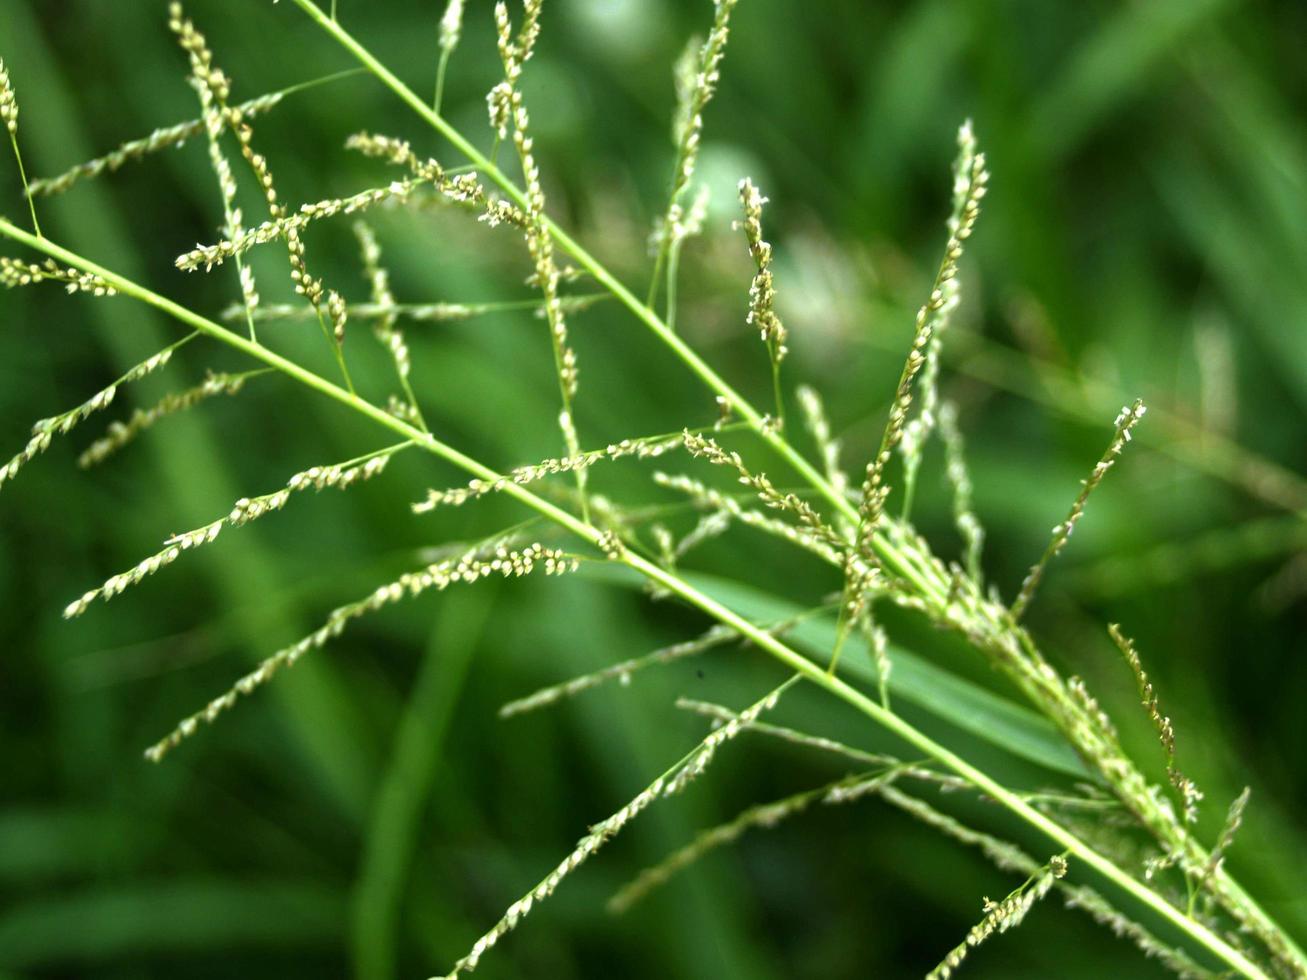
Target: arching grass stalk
601 274
1077 849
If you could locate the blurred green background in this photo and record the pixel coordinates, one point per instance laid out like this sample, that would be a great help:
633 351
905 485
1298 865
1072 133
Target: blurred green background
368 813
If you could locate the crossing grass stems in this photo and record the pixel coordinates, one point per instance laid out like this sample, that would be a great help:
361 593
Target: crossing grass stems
877 558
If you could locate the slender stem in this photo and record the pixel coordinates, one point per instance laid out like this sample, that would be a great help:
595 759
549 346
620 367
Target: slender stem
673 271
27 191
439 97
758 636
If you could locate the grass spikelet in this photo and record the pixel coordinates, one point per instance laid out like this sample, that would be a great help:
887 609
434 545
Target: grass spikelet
288 228
1189 793
211 86
462 189
9 116
717 502
1233 821
764 816
707 448
762 292
161 139
383 325
1008 857
1127 420
451 32
621 672
540 243
471 567
964 516
120 434
969 183
44 431
644 448
1004 915
15 273
879 645
419 312
814 418
696 82
668 784
339 475
8 103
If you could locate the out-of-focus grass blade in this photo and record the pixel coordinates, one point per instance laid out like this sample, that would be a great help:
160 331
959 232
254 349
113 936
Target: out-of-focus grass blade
1109 67
169 917
394 830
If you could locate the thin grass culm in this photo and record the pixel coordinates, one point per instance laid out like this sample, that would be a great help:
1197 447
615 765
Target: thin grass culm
870 661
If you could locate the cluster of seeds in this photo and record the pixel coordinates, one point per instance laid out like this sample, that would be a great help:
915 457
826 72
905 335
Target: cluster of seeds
522 475
44 431
471 567
246 509
119 434
668 784
14 273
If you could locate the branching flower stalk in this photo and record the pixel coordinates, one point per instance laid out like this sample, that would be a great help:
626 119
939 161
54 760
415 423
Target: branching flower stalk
167 137
476 564
1127 420
9 117
696 84
246 509
918 579
508 107
120 434
1196 930
762 291
44 430
419 312
672 781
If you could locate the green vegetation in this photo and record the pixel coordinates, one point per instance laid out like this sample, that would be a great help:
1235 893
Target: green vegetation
910 621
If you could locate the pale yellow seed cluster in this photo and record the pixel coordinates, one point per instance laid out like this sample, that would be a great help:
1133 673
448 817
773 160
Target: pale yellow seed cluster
451 25
288 227
620 672
382 299
762 292
463 189
696 89
970 182
719 502
8 103
522 475
1002 916
218 84
337 314
44 431
243 511
814 415
471 567
669 783
119 434
428 312
15 273
708 449
160 139
1125 421
959 478
213 88
1190 795
514 53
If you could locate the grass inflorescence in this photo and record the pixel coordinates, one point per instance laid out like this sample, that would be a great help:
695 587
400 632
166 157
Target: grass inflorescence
873 557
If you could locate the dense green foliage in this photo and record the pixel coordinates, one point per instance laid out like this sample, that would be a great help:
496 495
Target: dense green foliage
1142 237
